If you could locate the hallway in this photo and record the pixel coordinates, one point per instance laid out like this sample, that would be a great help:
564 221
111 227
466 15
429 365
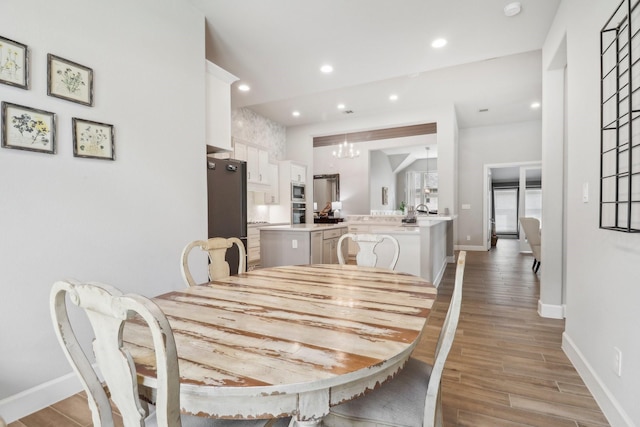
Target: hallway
506 367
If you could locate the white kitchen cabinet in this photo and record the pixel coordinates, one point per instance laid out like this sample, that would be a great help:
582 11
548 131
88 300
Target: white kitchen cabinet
330 245
218 107
257 165
272 196
253 246
263 167
317 251
298 173
253 171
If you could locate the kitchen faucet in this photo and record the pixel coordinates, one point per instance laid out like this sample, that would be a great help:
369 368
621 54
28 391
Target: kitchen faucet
422 208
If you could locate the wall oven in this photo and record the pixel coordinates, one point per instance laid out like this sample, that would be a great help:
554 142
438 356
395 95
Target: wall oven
298 213
297 192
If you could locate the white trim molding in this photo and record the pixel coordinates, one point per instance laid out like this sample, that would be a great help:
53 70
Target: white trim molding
551 311
610 407
36 398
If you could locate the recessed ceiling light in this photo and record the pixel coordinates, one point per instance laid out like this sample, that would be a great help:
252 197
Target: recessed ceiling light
512 9
341 106
438 43
535 105
326 69
244 87
393 97
296 114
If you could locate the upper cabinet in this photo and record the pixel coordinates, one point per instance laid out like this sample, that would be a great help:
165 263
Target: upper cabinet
298 173
218 107
257 165
258 168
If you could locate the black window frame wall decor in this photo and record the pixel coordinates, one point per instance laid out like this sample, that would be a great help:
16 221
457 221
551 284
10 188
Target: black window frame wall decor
620 119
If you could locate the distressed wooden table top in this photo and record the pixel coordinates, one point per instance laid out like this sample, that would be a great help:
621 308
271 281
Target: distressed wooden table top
288 340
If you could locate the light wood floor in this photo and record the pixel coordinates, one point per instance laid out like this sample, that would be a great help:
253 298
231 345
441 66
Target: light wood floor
506 367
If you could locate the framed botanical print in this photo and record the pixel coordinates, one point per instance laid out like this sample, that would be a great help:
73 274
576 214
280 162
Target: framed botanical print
26 128
93 139
14 63
69 80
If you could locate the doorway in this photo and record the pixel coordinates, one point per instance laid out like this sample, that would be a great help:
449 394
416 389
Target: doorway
510 190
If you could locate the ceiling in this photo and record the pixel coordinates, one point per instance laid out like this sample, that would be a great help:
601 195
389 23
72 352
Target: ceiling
380 47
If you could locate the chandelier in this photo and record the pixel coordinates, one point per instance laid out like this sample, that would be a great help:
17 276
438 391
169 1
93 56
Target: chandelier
346 151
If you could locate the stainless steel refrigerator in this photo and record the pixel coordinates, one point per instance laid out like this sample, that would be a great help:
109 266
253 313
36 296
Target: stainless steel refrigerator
227 203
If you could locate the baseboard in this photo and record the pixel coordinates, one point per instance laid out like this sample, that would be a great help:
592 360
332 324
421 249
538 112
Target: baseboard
438 278
550 311
610 407
34 399
468 248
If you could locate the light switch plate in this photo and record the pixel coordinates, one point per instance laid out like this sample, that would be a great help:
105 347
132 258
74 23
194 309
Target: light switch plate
466 206
585 192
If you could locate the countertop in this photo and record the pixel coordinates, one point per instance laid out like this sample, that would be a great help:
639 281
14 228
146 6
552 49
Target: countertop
303 227
394 219
264 224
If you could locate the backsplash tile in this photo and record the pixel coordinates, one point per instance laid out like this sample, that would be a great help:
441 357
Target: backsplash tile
256 129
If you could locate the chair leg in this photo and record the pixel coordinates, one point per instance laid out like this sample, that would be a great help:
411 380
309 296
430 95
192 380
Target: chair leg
537 267
533 267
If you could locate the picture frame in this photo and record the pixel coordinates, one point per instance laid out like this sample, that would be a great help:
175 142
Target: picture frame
26 128
69 80
93 140
14 63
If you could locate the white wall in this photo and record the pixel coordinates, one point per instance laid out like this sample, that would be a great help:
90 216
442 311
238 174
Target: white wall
602 266
383 177
123 222
517 142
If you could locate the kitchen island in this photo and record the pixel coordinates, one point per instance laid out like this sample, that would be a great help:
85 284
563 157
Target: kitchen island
300 244
424 245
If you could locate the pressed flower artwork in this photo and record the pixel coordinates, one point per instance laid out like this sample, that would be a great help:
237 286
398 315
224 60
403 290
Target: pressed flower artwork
26 128
93 139
69 80
14 64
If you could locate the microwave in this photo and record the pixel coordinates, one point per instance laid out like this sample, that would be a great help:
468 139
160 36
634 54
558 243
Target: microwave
297 192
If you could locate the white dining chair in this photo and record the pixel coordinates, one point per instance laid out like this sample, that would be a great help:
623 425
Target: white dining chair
531 227
367 243
107 310
216 249
413 397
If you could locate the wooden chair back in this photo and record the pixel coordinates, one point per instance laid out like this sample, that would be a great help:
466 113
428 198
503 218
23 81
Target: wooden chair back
367 256
107 309
433 405
216 249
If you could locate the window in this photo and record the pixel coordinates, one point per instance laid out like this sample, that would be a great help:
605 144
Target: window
533 203
505 202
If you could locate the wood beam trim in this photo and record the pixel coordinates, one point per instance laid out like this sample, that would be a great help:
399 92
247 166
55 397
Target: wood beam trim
373 135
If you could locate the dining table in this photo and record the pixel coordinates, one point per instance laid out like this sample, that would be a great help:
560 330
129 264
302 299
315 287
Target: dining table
286 341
